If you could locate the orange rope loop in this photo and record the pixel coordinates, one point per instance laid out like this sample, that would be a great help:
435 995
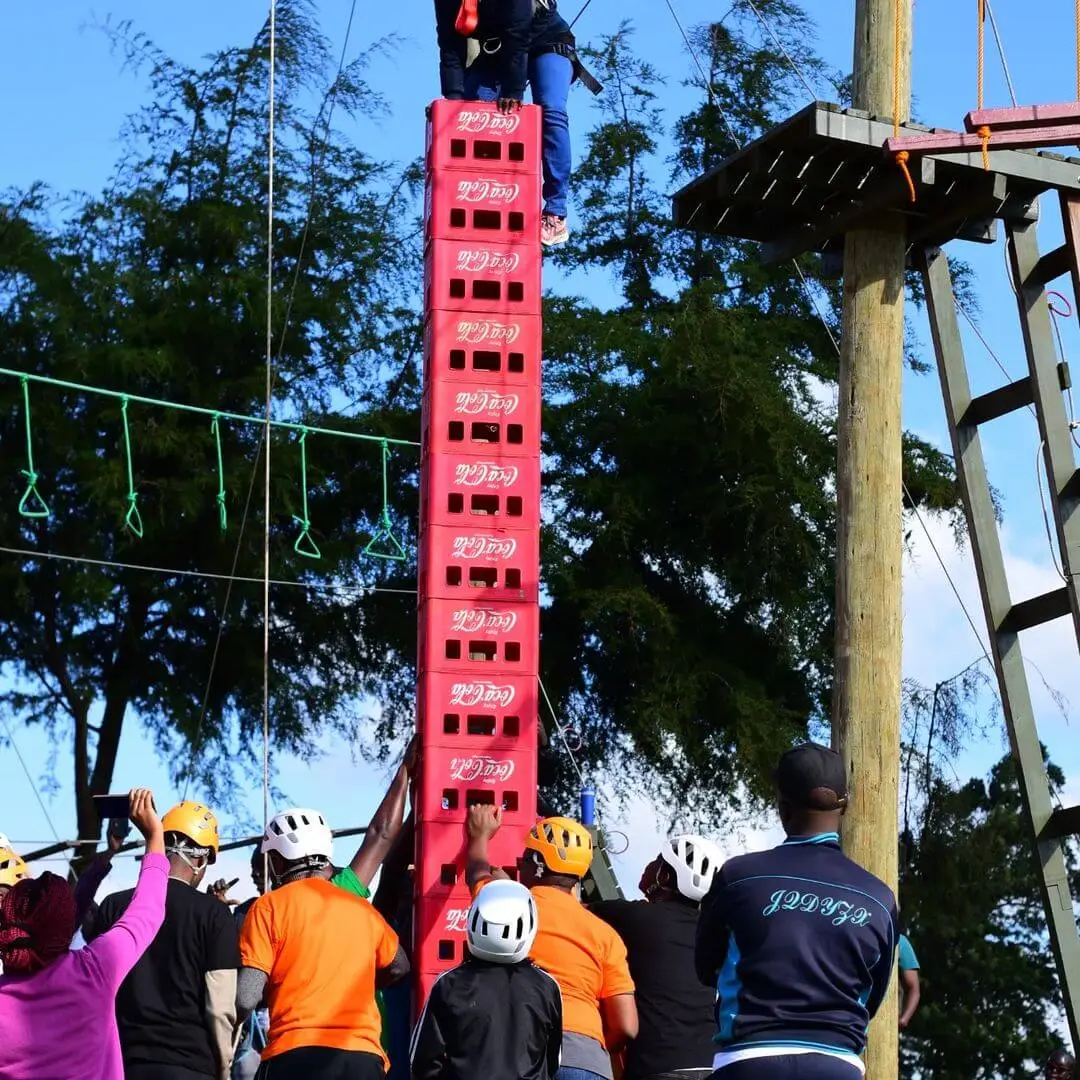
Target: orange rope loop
901 157
984 135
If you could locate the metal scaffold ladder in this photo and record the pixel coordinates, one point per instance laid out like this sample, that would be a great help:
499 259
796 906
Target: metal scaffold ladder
1042 389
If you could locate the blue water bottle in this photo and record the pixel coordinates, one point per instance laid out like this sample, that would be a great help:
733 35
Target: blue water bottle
588 806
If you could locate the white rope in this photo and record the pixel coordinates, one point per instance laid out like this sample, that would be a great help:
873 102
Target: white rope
269 392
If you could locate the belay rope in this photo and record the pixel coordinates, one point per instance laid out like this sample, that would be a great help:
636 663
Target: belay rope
31 505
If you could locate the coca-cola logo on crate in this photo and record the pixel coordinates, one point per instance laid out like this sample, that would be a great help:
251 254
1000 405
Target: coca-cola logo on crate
492 402
486 261
491 191
482 621
487 331
483 122
457 920
491 548
480 767
489 695
489 474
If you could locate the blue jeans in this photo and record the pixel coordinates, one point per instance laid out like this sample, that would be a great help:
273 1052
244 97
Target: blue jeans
550 76
565 1073
790 1067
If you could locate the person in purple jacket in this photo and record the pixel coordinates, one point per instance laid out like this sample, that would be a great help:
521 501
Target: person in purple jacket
57 1006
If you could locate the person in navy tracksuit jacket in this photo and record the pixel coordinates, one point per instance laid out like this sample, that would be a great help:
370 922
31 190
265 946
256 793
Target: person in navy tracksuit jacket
799 942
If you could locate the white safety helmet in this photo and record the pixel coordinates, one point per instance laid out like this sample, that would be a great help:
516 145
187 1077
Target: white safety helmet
502 923
5 842
695 861
298 834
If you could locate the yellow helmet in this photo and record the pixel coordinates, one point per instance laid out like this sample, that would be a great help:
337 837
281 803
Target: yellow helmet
12 868
565 845
197 822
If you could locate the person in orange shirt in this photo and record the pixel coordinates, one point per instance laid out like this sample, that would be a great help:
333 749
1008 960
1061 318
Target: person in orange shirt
584 955
316 953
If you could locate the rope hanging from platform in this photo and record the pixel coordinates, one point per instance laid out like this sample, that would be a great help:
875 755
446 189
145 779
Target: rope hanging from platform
901 157
984 131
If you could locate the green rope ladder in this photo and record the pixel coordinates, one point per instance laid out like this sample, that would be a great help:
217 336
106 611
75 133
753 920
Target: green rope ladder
384 544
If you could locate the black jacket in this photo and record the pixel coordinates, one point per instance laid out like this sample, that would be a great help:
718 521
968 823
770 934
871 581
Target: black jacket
508 32
487 1021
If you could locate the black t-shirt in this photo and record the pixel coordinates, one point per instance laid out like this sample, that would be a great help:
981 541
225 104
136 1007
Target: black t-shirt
675 1012
161 1006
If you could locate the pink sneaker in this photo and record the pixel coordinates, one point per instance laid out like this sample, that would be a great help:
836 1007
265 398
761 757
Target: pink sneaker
553 230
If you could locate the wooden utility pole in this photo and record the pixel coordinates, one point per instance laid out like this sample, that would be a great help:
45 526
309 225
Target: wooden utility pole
866 704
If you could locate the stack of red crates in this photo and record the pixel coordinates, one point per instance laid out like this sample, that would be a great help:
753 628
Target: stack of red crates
479 622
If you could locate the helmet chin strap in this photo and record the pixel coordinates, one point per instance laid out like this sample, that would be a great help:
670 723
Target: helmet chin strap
202 853
652 890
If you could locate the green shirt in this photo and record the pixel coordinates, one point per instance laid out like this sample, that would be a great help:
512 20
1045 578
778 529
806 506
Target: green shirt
347 880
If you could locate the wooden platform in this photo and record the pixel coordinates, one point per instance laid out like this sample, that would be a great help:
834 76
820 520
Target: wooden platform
825 170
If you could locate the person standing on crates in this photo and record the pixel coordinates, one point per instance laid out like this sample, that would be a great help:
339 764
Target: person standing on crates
581 952
676 1011
496 1015
489 50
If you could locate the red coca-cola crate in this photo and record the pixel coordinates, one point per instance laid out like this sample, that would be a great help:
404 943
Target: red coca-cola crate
440 859
484 207
479 564
482 277
439 933
483 715
474 135
496 350
480 491
465 636
454 778
459 418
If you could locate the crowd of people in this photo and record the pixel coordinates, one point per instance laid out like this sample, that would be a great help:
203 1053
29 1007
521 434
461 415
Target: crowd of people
765 965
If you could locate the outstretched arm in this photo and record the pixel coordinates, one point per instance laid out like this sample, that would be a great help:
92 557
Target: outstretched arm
386 824
481 825
909 982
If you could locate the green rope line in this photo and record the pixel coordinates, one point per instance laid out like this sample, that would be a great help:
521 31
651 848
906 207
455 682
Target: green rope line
223 513
305 545
31 505
238 417
384 544
132 519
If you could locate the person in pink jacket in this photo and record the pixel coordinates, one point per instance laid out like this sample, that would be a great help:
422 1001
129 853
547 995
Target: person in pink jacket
57 1006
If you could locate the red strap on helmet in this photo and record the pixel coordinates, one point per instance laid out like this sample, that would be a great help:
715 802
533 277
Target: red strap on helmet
468 17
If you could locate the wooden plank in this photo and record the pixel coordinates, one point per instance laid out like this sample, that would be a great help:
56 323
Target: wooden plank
1023 116
949 141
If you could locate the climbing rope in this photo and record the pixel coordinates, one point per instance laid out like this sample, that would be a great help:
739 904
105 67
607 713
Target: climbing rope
132 519
305 545
385 533
984 131
31 505
223 513
901 157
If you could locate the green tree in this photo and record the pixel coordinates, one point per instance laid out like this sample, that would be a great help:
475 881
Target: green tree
158 287
690 436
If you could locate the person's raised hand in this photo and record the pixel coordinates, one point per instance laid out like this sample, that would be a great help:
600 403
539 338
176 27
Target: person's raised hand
143 815
219 891
411 761
508 105
483 821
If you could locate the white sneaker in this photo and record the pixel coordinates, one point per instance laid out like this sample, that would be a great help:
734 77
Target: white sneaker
553 230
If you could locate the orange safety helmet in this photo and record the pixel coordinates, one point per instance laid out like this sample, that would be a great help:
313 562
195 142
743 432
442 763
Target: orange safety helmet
197 822
12 868
565 845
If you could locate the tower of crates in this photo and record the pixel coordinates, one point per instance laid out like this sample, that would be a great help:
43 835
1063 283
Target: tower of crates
479 618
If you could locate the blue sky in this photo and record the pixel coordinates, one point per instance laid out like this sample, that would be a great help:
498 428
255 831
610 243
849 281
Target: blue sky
66 97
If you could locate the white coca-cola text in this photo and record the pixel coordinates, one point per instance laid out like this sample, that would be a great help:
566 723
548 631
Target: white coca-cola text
488 474
491 548
468 695
483 331
486 261
457 920
480 767
483 122
482 621
491 402
487 191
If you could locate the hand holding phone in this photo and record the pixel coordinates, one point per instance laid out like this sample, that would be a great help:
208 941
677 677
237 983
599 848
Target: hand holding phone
220 888
144 817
